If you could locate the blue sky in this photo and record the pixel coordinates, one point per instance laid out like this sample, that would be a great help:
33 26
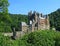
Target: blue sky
41 6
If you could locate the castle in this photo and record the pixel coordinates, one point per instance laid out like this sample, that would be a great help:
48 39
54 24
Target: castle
36 21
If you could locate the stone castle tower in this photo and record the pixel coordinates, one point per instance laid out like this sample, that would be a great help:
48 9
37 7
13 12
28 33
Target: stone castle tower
38 21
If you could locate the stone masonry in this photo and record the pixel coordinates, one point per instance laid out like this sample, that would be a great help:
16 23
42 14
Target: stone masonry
36 21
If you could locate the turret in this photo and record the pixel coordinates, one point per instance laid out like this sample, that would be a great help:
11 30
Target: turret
48 23
29 17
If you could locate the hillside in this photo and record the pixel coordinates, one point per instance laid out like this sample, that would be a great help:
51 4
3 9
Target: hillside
55 19
17 18
12 20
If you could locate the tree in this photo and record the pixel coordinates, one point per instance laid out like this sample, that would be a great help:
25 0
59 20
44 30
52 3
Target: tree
55 19
5 20
3 6
4 10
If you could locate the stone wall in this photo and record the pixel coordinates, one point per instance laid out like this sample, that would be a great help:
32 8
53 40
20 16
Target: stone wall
39 22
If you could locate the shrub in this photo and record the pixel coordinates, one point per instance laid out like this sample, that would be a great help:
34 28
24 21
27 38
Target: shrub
5 29
6 41
57 39
40 38
3 40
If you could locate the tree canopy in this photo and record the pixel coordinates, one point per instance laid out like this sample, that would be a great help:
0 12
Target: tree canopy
3 6
4 16
55 19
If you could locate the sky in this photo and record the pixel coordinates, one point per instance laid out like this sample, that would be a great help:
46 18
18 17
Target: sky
41 6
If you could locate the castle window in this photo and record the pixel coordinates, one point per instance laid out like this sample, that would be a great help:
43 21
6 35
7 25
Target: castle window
36 25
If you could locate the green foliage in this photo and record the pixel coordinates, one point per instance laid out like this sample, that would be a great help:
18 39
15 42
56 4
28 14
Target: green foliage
4 10
3 40
5 29
3 6
57 39
13 20
17 19
38 38
6 41
8 21
5 20
41 38
55 19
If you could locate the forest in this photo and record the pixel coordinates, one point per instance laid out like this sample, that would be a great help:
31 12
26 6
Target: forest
14 20
37 38
8 20
54 18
